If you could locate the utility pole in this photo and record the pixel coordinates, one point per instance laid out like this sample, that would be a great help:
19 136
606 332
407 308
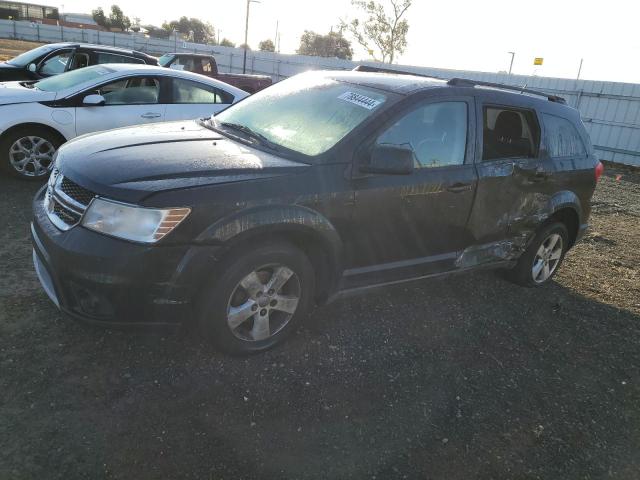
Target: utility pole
275 39
246 36
513 54
579 69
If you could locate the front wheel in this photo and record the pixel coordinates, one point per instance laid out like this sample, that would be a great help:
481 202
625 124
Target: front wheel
27 153
259 296
541 260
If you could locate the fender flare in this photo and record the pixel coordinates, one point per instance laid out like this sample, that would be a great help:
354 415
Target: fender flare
293 220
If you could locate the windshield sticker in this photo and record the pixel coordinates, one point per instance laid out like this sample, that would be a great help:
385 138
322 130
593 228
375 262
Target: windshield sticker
361 100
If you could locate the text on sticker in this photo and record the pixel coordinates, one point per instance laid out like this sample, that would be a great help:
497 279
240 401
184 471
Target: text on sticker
361 100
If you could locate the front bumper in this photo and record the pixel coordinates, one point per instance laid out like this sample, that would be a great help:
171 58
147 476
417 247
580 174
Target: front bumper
106 280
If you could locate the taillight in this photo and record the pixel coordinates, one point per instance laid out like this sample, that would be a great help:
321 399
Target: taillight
599 170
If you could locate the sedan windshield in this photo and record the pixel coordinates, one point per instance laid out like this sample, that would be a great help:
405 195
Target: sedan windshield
27 57
308 113
164 59
72 78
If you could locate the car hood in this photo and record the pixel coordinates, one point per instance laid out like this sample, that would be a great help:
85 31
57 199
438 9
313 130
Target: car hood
129 164
14 92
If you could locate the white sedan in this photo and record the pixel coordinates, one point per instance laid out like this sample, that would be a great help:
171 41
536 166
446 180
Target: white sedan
37 117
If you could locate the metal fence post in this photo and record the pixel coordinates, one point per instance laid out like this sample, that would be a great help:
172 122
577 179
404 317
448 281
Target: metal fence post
38 30
15 34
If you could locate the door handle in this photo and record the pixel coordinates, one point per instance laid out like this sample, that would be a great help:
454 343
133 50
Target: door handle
459 187
151 115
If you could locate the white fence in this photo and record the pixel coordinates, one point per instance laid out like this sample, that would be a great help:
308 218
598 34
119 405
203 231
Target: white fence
610 110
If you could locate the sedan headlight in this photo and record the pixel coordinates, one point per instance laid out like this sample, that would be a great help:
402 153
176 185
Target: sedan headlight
130 222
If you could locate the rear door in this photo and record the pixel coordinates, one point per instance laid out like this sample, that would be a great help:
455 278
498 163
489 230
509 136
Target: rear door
129 101
514 180
405 225
189 100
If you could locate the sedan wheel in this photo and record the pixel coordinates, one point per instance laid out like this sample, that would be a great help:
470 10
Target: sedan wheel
32 156
263 303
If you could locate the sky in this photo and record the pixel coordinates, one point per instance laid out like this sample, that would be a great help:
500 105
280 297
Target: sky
456 34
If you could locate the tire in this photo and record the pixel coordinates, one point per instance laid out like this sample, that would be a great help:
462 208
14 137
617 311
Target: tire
524 273
238 320
37 144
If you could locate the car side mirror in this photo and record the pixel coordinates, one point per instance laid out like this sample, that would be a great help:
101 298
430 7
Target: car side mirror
93 101
391 159
32 68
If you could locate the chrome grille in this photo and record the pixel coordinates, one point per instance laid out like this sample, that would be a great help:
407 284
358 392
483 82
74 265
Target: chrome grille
65 201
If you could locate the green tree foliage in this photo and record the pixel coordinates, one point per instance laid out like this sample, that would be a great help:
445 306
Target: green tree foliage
156 32
267 46
100 18
117 19
379 31
331 45
227 43
193 28
244 45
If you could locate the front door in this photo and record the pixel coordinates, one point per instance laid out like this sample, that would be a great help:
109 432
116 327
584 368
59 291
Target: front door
406 225
130 101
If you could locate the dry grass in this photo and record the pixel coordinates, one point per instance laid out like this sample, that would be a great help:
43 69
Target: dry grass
12 48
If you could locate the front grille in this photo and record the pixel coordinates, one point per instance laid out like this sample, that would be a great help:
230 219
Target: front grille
67 216
65 201
76 192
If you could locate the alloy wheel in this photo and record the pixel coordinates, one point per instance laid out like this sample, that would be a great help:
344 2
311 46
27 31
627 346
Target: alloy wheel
547 258
32 156
263 303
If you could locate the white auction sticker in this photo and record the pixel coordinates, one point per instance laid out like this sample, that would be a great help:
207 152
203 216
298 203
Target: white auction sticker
361 100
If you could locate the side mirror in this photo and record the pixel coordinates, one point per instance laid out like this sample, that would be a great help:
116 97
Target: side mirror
32 68
391 159
93 101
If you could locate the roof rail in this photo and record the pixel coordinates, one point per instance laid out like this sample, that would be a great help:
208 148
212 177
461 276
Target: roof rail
368 68
465 82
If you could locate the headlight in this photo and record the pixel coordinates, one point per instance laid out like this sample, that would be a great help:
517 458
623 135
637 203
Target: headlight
138 224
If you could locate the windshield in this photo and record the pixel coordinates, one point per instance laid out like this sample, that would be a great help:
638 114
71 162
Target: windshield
164 60
28 57
72 78
308 113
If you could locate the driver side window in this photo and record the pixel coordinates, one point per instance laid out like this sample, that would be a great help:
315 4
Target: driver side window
56 64
436 132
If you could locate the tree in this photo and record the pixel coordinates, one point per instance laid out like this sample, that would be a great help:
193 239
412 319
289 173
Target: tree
193 28
100 18
267 46
117 19
244 45
385 33
227 43
331 45
156 32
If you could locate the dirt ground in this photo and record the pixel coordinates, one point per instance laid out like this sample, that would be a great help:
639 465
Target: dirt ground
12 48
454 378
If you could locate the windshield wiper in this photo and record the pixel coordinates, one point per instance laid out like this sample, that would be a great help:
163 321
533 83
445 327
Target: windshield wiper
250 133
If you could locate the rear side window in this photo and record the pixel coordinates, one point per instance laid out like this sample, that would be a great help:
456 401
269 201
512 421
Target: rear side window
509 133
562 138
436 132
186 91
104 57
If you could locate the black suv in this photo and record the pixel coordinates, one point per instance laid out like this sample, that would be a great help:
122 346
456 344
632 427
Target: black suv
57 58
324 183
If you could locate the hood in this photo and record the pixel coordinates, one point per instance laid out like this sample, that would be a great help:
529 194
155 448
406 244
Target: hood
129 164
10 72
13 92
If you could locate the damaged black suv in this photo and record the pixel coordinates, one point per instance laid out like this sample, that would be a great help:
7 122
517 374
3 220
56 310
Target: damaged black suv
324 183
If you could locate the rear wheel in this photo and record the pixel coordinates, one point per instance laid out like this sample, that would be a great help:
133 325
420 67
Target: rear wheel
257 299
27 153
541 260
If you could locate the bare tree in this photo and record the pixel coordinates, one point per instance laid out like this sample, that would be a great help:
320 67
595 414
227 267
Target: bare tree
386 34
